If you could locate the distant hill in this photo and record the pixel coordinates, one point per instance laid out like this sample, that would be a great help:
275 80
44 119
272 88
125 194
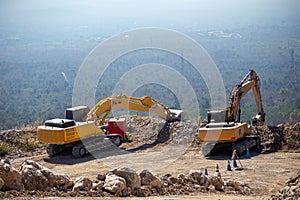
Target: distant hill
33 86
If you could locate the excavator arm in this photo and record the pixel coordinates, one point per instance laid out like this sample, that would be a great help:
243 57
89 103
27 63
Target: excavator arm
250 81
102 109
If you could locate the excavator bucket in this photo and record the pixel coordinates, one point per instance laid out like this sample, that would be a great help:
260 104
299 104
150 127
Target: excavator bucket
179 115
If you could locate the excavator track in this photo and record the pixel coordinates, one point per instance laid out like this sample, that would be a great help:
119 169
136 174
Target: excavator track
241 146
54 149
79 150
247 142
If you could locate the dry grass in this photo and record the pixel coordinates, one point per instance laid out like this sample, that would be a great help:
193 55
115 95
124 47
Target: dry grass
4 149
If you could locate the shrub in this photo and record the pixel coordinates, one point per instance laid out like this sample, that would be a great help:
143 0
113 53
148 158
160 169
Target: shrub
4 149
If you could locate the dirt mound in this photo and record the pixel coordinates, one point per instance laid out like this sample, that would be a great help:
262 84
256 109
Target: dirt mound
20 143
291 190
281 137
156 132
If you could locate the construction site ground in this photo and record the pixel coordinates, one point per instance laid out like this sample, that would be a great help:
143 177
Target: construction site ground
265 173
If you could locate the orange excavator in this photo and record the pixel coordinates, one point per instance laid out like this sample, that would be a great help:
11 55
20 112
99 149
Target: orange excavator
224 129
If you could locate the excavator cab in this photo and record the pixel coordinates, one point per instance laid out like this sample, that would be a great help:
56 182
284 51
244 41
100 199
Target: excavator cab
77 113
116 130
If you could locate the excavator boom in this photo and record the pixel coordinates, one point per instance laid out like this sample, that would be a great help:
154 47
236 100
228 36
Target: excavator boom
250 81
102 109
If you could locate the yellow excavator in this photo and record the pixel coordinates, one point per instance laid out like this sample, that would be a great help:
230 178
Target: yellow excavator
83 124
224 129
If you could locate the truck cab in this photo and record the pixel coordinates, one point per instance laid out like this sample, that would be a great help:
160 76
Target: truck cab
116 130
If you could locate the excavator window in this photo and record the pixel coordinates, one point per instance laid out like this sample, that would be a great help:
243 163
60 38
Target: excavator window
115 125
69 114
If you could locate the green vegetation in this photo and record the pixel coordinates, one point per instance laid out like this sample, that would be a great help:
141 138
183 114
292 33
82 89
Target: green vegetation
4 149
33 88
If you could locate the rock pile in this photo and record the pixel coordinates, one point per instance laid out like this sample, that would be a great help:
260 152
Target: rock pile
20 143
291 190
10 178
33 179
281 137
31 176
149 130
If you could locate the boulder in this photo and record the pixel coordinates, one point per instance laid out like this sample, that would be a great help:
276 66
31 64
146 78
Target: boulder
33 178
217 182
11 177
38 177
63 181
195 176
133 180
82 184
114 184
148 178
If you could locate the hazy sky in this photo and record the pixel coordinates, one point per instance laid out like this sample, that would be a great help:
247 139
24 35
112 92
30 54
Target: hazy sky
138 13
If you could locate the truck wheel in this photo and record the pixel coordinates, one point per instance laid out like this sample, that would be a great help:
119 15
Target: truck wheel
116 140
54 149
79 151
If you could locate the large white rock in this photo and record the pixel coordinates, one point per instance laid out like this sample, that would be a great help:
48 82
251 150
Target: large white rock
37 177
11 177
133 180
82 183
114 184
33 178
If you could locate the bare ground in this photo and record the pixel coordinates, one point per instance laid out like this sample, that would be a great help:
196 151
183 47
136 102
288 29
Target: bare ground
265 173
175 153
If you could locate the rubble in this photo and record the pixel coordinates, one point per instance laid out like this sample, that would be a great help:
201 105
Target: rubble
82 184
114 184
217 182
280 137
18 143
33 178
133 180
1 183
37 180
149 130
10 176
38 177
149 179
291 190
